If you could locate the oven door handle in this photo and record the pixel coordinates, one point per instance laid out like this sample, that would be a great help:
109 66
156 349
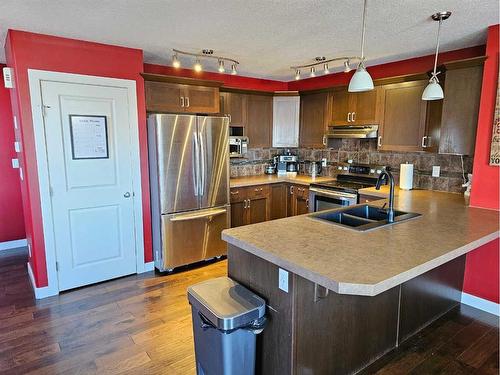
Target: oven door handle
336 194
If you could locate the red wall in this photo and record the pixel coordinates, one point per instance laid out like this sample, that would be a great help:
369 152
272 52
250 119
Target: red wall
229 80
27 50
481 272
11 208
485 183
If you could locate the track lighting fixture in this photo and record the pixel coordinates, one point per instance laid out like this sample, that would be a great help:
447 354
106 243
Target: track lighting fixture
221 66
325 68
347 66
197 66
313 71
175 61
205 54
297 74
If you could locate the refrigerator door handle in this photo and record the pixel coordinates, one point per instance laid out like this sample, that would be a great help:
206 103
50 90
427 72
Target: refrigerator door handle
196 168
202 165
192 216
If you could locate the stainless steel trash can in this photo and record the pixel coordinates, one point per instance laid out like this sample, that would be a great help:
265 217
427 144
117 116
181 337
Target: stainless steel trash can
226 319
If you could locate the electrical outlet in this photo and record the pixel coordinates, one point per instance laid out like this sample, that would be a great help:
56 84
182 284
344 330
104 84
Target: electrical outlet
436 170
323 162
283 280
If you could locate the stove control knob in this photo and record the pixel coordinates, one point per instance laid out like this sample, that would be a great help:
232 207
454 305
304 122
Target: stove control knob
372 170
346 168
379 171
339 168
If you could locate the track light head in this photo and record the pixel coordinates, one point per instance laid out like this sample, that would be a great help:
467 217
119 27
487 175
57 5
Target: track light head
233 69
313 71
325 67
297 74
221 66
347 66
175 61
197 66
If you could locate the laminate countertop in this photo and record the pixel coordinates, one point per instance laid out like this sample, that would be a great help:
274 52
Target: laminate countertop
273 179
369 263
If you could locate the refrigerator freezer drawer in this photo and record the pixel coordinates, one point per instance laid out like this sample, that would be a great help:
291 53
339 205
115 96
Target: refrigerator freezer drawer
192 236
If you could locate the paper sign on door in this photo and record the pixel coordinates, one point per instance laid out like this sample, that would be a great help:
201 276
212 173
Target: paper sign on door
89 137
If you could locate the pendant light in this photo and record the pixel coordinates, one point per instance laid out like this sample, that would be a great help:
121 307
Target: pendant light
434 91
361 80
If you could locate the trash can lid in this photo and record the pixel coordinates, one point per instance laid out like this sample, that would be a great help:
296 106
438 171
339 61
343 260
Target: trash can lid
227 304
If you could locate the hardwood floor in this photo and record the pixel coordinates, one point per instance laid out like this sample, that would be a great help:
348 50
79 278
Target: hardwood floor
141 324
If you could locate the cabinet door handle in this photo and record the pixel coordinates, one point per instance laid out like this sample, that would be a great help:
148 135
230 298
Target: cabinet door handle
248 200
307 203
353 116
291 189
324 140
229 118
182 101
349 117
423 141
187 102
379 142
245 203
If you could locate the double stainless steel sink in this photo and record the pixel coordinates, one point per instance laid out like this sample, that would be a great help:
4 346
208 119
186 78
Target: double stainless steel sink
363 217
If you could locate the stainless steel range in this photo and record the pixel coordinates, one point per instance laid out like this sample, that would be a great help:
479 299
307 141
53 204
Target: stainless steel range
344 190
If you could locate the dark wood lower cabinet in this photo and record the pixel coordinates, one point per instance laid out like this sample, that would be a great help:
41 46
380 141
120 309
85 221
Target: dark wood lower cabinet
258 210
238 214
278 201
337 333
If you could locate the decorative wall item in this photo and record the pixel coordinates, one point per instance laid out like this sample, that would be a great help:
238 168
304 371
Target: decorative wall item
495 138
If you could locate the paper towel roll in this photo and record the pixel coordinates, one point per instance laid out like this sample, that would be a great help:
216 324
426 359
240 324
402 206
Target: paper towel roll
406 177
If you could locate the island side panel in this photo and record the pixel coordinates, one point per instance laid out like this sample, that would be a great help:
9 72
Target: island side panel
274 344
430 295
342 334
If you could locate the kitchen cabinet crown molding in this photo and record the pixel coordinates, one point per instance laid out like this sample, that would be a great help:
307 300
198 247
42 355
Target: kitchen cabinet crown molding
181 80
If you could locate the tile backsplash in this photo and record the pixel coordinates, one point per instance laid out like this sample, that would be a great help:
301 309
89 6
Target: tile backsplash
365 151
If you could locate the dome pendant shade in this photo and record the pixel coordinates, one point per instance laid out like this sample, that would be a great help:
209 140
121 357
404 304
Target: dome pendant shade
361 80
433 91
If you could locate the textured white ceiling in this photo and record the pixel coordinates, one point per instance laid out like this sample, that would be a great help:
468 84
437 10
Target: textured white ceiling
266 36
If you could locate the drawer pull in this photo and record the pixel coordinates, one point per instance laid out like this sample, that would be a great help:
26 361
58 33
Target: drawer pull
235 192
258 189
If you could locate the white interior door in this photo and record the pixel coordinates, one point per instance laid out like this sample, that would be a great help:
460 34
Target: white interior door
87 132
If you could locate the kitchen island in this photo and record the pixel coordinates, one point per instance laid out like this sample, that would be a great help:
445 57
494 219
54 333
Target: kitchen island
353 296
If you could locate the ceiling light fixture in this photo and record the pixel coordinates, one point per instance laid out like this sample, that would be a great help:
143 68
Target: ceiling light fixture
175 61
197 66
347 66
205 54
434 91
221 66
297 74
325 68
313 71
361 80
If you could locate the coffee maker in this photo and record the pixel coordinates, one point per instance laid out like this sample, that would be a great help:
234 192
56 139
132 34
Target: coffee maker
287 163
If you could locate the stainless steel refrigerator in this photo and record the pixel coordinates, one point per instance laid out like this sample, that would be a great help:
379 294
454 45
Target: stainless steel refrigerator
189 178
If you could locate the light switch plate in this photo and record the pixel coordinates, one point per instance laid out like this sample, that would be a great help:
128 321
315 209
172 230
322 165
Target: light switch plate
17 146
436 170
8 80
15 163
283 280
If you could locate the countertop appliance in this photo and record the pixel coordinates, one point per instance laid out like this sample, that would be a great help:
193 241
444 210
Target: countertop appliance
344 190
238 146
287 163
189 178
312 168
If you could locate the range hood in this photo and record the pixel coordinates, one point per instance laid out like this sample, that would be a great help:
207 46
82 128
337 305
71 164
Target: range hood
352 131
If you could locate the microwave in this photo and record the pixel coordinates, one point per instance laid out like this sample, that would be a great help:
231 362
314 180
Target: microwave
238 146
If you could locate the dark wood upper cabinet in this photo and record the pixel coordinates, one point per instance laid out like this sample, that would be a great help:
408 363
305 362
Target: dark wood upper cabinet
235 107
462 94
314 118
349 108
403 116
181 95
259 120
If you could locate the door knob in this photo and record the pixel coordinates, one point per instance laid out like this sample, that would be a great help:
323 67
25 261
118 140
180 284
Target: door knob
126 195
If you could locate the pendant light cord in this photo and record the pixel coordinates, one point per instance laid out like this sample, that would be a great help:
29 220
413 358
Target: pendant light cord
363 33
437 49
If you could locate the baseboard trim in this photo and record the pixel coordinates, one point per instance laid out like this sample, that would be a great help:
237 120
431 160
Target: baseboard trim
43 292
7 245
481 304
150 266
